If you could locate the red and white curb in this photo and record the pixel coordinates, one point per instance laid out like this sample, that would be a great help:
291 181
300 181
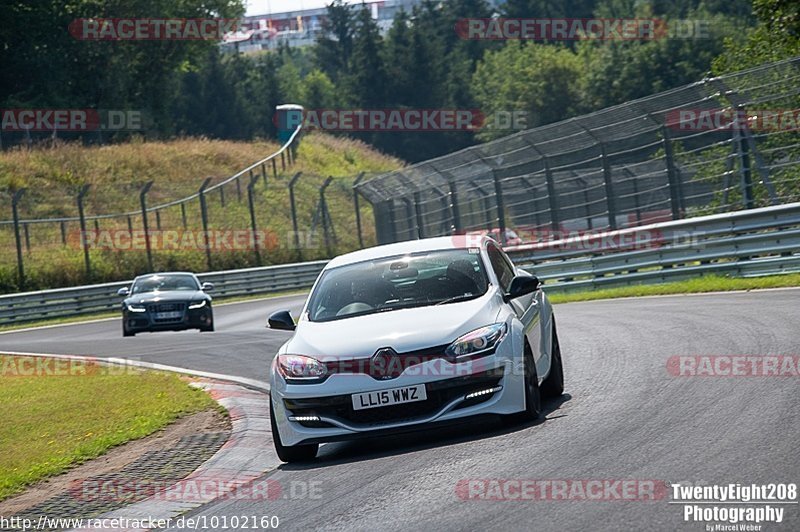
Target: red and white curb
231 473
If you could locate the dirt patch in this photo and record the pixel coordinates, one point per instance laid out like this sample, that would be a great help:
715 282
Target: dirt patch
210 421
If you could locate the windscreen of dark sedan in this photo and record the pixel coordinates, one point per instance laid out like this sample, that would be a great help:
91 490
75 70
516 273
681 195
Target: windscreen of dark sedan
165 283
406 281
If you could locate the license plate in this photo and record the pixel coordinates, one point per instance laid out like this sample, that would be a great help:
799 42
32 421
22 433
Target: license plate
395 396
168 315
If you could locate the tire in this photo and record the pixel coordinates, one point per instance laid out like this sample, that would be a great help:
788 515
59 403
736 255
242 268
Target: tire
290 453
533 397
126 332
553 385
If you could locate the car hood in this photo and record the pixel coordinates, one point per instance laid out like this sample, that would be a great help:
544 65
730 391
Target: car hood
403 329
159 297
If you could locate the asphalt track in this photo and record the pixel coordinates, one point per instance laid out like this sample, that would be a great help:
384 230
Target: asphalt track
624 416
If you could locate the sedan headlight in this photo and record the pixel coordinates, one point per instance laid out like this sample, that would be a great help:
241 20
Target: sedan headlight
478 342
136 308
199 304
301 368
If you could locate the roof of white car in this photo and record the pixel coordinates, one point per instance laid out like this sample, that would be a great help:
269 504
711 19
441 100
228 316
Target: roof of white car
406 248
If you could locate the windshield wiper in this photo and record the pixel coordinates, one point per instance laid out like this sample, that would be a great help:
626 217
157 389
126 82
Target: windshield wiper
460 297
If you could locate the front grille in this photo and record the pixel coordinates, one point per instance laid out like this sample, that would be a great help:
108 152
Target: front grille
439 394
167 307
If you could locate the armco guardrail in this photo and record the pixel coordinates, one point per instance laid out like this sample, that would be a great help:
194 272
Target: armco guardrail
83 300
746 243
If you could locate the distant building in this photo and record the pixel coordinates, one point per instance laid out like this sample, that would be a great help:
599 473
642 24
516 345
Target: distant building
301 27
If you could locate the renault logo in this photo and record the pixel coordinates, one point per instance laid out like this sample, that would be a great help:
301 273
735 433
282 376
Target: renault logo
381 365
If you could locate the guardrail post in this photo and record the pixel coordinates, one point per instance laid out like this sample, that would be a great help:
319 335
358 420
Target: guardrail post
15 213
454 210
82 218
742 150
283 162
204 219
413 230
264 174
253 226
295 230
418 214
609 188
501 207
325 215
274 168
358 210
143 202
672 176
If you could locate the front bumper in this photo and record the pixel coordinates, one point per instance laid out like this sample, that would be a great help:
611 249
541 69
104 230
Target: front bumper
324 413
189 319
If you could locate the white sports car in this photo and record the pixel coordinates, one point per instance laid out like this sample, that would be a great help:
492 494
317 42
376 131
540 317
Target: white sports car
398 337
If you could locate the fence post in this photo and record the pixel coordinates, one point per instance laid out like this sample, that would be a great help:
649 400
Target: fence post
130 226
552 199
742 150
501 206
418 214
15 212
183 214
283 161
143 202
253 226
86 261
27 233
64 233
609 187
454 206
358 210
238 190
264 174
274 168
222 196
325 218
204 219
158 220
672 178
292 183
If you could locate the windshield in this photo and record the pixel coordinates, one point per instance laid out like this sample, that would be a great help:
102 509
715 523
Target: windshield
417 280
164 283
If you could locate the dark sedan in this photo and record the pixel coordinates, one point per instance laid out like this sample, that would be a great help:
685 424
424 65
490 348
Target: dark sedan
166 302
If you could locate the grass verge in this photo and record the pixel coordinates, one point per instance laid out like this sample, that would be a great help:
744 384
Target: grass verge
708 283
57 415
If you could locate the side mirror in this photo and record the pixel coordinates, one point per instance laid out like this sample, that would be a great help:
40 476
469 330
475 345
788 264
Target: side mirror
207 287
123 291
522 285
281 320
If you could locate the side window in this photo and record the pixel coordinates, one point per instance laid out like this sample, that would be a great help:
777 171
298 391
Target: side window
500 265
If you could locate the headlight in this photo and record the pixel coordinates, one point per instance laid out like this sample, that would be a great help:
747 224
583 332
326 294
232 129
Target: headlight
201 304
299 367
478 342
136 308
